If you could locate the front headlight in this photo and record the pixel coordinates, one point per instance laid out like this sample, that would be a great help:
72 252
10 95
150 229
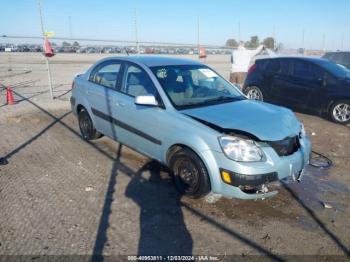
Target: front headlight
239 149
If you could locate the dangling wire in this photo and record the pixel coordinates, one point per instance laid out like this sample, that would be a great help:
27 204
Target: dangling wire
319 160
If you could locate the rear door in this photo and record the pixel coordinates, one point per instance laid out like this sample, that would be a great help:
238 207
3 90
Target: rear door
280 83
104 80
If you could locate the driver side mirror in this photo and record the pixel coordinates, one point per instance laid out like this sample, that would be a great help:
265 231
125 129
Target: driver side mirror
146 100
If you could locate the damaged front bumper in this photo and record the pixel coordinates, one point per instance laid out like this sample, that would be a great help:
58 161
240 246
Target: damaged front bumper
245 175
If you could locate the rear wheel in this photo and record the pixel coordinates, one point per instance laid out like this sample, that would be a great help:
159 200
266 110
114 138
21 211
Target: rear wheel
340 112
190 174
254 93
86 126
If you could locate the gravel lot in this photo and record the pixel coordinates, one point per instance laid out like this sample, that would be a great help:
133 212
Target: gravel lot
60 195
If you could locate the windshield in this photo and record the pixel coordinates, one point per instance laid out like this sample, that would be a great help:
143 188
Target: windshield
194 85
337 70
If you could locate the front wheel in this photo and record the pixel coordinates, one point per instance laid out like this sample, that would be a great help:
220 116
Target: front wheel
190 174
254 93
86 126
340 112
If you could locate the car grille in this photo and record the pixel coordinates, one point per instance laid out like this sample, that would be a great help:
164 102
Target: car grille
286 146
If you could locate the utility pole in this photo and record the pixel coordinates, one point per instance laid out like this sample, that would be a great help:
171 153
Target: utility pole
70 27
274 37
136 32
324 42
198 36
47 59
303 41
239 32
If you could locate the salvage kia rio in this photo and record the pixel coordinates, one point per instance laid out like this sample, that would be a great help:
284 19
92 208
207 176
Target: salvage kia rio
185 115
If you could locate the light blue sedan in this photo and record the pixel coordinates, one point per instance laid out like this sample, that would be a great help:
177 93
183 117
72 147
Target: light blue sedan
185 115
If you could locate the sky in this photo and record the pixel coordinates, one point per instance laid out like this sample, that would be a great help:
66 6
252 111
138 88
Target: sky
324 22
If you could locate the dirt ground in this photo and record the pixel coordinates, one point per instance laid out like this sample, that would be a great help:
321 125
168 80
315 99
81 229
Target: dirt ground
60 195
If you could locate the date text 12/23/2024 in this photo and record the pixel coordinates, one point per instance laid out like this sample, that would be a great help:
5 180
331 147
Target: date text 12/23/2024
173 258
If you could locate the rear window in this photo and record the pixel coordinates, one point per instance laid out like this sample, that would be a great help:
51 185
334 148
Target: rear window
106 74
284 67
262 63
281 66
273 66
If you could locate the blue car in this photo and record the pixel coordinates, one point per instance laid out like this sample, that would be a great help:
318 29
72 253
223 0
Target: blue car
185 115
308 84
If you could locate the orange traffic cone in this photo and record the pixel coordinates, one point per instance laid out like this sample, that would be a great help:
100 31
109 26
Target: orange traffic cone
48 51
202 52
9 96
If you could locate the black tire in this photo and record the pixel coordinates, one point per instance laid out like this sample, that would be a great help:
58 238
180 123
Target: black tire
197 183
335 115
86 126
255 89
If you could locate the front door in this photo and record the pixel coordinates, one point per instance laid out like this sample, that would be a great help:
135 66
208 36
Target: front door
140 127
280 81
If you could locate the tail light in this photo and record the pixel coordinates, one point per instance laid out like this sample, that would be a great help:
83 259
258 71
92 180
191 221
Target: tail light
252 69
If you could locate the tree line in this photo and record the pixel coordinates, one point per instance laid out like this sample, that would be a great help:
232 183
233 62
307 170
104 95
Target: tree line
268 42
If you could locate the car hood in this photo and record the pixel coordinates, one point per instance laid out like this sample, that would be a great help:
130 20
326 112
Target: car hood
264 121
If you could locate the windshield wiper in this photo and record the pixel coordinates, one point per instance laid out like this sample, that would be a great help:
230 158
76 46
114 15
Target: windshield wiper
222 99
210 101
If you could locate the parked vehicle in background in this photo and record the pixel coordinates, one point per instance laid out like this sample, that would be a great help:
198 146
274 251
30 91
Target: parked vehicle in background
341 58
183 114
313 85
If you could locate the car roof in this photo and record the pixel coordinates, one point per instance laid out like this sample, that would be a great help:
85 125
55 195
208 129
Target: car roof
151 60
313 59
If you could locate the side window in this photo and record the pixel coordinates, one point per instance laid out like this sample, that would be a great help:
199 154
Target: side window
262 63
284 67
273 66
106 74
137 82
303 70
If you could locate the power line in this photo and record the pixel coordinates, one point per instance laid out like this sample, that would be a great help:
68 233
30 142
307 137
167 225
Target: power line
116 41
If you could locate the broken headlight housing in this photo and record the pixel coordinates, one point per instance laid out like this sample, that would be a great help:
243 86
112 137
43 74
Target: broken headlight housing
302 130
239 149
